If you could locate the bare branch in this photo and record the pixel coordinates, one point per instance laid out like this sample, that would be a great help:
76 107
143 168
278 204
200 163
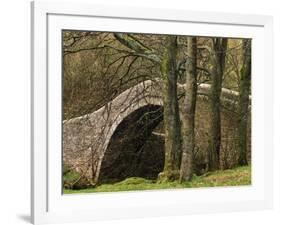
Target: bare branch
139 48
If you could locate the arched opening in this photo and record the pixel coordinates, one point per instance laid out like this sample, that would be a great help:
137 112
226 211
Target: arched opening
134 151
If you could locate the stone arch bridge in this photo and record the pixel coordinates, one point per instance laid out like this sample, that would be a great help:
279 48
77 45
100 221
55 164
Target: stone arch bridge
90 140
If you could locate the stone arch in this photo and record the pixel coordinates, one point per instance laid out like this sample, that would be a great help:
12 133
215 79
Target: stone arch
86 138
134 99
126 153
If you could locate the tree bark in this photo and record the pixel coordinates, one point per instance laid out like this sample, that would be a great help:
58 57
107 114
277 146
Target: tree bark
243 104
218 64
188 116
171 111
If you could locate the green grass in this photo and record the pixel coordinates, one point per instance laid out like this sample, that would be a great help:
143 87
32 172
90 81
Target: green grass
234 177
71 176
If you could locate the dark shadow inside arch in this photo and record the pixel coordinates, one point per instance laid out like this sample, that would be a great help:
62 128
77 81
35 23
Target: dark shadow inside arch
134 149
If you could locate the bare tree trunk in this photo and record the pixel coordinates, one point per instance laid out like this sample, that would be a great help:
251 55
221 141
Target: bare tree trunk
218 61
244 92
188 117
171 111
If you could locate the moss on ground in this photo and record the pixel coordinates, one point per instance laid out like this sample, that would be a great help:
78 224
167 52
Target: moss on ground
234 177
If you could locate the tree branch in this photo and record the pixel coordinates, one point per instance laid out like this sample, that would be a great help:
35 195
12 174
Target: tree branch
138 48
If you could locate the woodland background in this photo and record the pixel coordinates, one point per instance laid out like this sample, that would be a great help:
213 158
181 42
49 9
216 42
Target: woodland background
199 138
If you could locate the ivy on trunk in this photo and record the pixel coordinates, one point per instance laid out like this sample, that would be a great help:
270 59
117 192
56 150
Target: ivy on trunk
171 111
188 116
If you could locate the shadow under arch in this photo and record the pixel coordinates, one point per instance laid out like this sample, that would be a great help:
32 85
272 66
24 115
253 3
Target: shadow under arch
130 152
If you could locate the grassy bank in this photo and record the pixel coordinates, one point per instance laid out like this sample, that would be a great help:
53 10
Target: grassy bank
233 177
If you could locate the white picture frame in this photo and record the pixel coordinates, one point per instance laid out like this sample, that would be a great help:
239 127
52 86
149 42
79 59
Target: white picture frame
49 205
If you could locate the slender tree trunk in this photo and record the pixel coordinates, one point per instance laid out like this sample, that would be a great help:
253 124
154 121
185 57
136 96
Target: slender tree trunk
188 116
218 64
171 111
244 92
